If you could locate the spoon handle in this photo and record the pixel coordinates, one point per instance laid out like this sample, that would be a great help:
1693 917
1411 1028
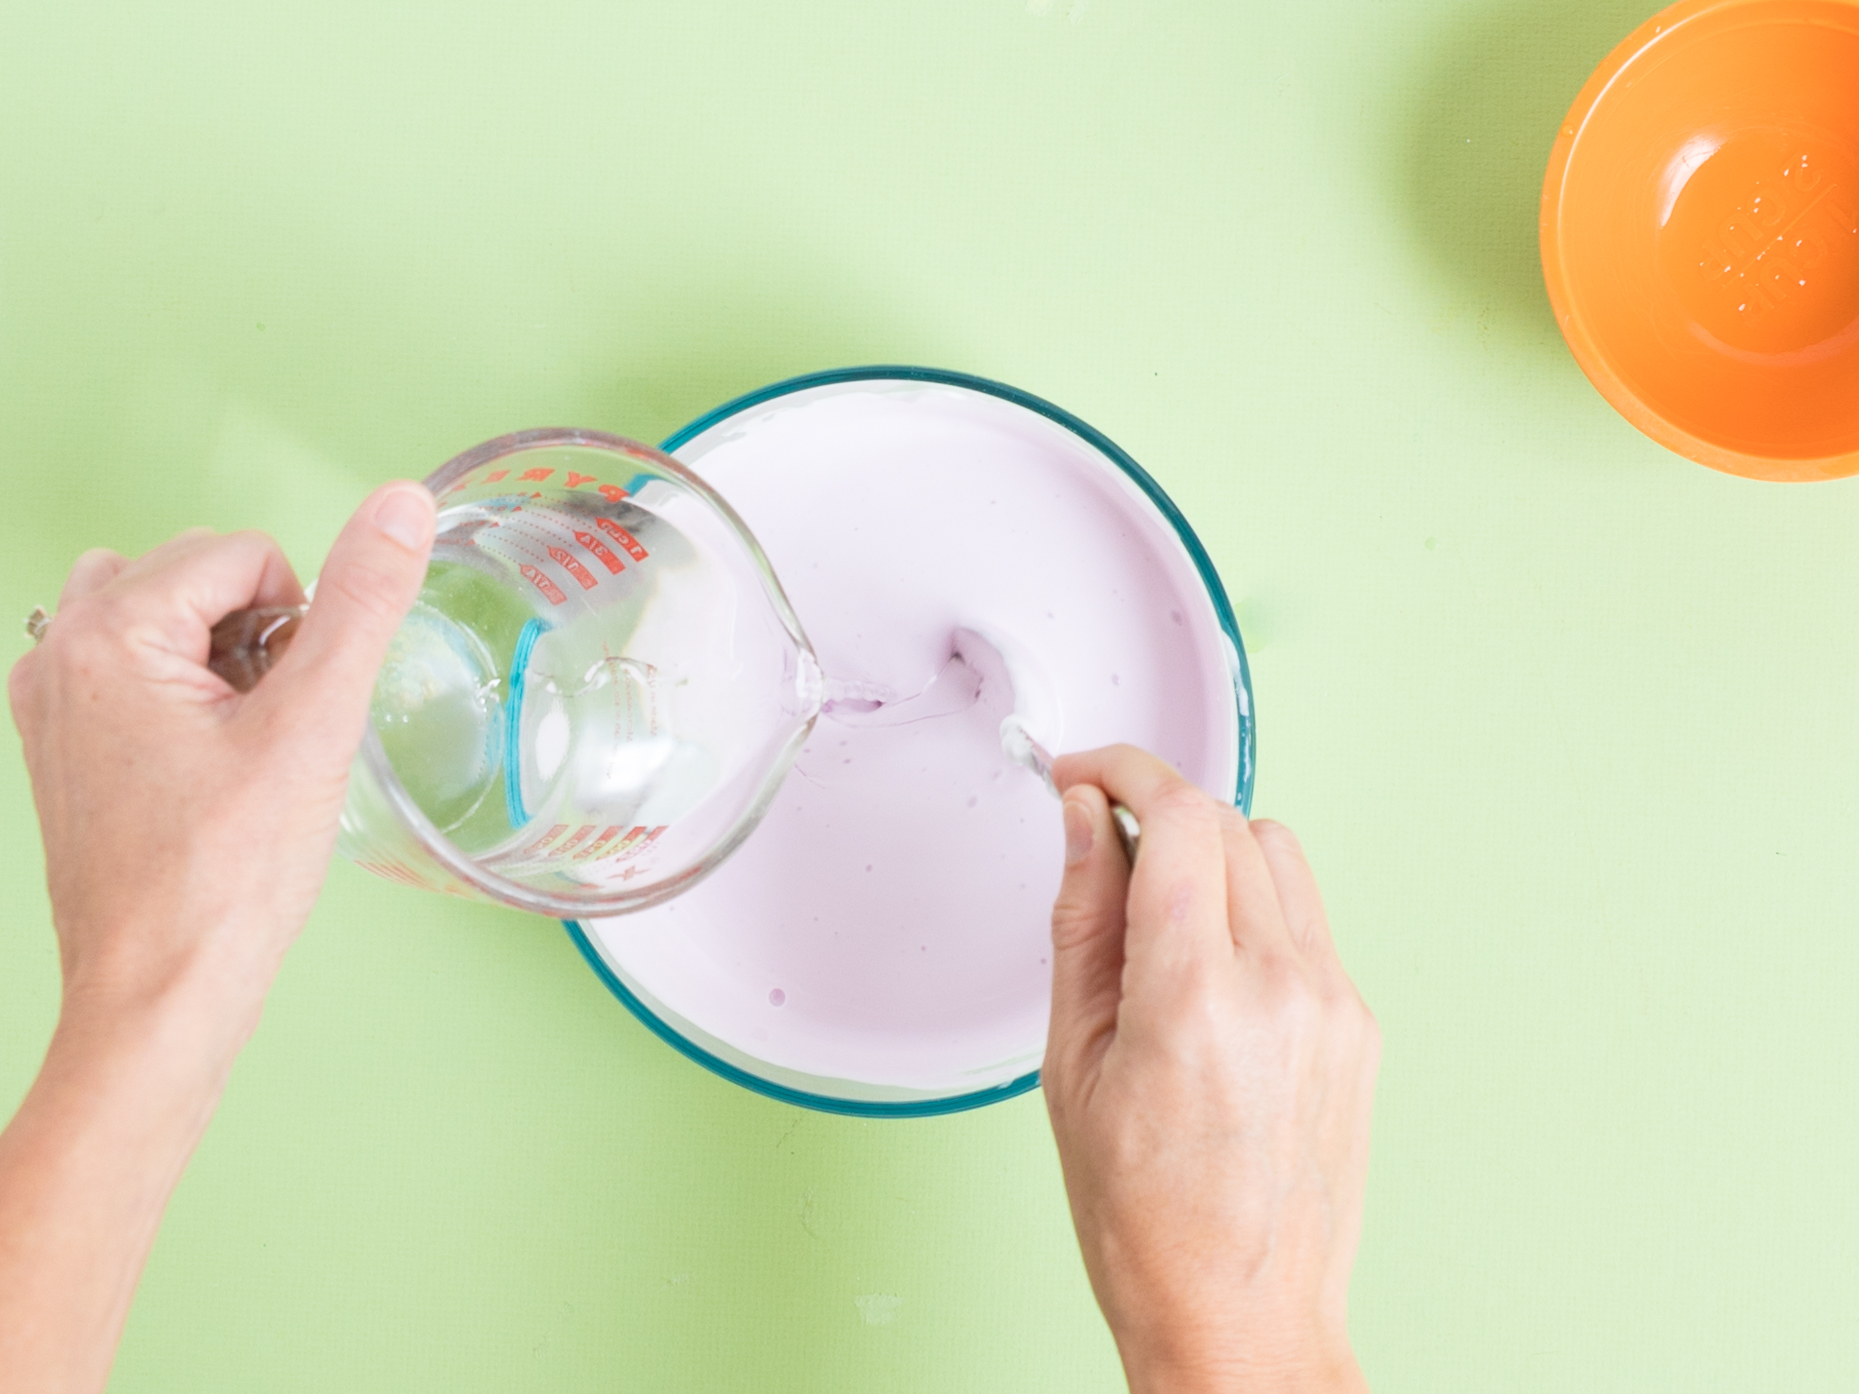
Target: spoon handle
1129 831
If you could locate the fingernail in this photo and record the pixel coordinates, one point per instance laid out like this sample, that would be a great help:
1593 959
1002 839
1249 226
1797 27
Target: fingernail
404 516
1077 833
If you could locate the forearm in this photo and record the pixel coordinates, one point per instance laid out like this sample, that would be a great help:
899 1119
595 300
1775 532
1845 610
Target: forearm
86 1168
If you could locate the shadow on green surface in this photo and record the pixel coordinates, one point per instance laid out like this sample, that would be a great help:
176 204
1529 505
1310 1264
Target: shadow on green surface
1479 125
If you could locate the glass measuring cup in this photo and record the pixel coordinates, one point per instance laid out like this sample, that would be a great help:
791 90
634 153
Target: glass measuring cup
593 700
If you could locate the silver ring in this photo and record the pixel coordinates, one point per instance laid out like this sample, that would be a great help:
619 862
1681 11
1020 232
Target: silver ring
37 623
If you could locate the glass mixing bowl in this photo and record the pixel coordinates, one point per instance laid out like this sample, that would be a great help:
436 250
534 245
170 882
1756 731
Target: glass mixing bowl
880 947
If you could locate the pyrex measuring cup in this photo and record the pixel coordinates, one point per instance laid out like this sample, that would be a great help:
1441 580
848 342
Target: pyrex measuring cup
597 693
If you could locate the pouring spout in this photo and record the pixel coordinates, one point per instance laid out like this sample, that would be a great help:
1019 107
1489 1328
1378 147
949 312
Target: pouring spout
809 686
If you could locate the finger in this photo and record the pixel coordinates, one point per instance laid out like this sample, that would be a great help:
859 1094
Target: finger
366 588
175 594
1254 916
91 572
1177 903
1130 776
1302 902
1087 935
183 543
203 571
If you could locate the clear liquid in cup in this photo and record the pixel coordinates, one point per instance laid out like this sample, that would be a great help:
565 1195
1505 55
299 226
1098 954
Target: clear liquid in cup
598 685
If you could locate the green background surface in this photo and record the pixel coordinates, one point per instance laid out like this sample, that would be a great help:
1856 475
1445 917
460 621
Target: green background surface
1567 723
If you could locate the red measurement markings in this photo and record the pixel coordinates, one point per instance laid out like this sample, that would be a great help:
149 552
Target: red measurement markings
582 834
625 844
471 480
568 563
636 842
575 481
598 845
539 473
623 537
548 837
543 584
394 872
601 550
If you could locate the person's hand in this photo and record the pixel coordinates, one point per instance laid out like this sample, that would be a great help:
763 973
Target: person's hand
1209 1075
187 827
187 831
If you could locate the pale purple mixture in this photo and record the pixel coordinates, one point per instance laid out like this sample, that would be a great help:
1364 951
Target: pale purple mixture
887 923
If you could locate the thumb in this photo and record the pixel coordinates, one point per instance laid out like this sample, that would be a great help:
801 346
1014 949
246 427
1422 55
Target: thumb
363 593
1087 937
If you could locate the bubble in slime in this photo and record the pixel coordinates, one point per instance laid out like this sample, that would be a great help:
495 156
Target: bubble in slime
602 688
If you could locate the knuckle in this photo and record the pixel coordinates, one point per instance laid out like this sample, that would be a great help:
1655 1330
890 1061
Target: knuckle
1074 922
1333 991
1274 834
1182 803
84 630
1180 796
1347 1016
20 682
1365 1020
253 538
95 558
1199 1004
1289 993
1299 1007
103 611
1276 972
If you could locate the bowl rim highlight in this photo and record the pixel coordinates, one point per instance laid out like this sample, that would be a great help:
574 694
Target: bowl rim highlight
929 1105
1589 355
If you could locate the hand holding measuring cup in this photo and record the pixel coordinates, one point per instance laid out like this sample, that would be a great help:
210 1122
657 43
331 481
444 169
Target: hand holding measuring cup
594 696
140 757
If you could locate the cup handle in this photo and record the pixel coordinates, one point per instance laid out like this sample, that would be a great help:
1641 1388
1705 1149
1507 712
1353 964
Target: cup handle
248 642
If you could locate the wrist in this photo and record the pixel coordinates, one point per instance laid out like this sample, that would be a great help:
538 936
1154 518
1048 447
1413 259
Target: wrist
1323 1366
176 1043
134 983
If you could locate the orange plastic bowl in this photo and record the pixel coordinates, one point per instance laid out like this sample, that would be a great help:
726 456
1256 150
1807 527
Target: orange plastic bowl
1700 234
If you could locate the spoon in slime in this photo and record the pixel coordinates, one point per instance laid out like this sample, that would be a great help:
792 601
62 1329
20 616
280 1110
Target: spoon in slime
988 670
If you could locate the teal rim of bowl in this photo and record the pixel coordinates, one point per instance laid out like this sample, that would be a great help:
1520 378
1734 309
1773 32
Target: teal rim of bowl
1223 612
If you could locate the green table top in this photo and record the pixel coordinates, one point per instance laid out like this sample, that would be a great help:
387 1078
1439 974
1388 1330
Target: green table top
1565 721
